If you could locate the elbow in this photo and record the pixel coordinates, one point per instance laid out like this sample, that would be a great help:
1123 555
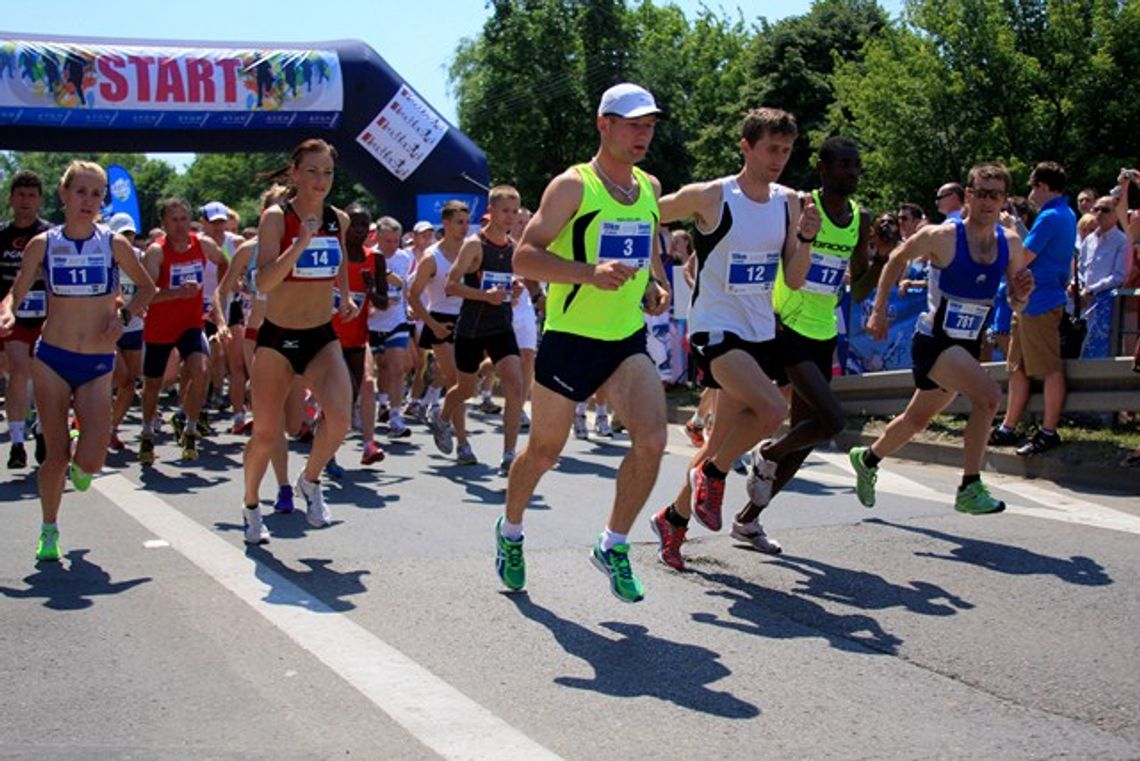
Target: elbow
451 290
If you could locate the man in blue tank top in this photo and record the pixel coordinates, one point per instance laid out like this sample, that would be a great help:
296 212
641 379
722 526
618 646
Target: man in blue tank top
967 261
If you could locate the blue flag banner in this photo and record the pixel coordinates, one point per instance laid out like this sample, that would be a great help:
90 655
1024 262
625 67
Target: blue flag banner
430 205
866 355
121 195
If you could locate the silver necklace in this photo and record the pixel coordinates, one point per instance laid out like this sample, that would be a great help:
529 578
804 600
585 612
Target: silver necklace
627 193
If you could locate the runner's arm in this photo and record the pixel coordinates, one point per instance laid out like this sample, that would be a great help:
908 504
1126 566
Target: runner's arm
803 227
864 272
273 264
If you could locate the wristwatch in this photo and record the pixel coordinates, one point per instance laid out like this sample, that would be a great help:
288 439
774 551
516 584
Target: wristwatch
800 237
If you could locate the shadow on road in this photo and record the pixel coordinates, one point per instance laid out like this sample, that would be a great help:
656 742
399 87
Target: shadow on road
184 481
780 615
860 589
639 664
481 481
19 486
320 584
574 466
1006 558
70 585
367 488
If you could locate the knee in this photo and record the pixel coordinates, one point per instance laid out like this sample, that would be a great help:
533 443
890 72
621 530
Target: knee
650 443
989 399
542 458
771 410
91 462
337 418
832 422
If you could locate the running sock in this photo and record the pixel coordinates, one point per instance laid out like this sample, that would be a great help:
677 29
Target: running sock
258 505
710 469
675 518
53 526
610 539
395 420
1003 428
580 408
382 400
431 398
870 459
485 394
967 480
148 427
602 409
512 531
16 431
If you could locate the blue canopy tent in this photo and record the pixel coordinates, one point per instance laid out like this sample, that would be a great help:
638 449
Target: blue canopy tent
85 94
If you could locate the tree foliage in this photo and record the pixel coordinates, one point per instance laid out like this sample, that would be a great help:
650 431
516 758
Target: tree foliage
926 95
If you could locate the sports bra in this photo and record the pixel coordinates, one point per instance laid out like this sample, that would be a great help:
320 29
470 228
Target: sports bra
80 267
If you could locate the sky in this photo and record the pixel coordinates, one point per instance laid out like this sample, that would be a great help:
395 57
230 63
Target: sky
417 39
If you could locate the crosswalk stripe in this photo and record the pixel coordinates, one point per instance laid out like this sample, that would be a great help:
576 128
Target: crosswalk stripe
430 709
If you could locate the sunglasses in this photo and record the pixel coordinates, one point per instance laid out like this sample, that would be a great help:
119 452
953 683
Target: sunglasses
988 193
1103 209
944 195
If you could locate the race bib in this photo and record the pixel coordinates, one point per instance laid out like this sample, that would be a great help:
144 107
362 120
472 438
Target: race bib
501 280
825 276
320 260
627 242
79 274
33 305
186 273
127 287
964 320
356 296
751 272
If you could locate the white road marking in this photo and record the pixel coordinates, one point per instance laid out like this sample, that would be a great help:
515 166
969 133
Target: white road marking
430 709
155 544
1051 505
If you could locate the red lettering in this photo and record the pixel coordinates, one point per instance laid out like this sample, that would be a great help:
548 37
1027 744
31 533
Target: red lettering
229 67
170 86
142 75
200 80
114 86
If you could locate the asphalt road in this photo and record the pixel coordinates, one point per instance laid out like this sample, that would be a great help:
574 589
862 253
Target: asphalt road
905 631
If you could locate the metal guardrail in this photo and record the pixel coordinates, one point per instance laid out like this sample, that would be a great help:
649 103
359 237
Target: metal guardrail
1094 385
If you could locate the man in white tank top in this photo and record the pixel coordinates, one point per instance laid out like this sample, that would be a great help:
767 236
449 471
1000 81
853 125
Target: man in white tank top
441 312
747 226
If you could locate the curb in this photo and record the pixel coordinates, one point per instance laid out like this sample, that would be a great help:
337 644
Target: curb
1055 469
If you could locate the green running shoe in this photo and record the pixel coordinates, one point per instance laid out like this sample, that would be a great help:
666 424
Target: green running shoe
615 564
864 477
48 546
509 561
975 499
80 480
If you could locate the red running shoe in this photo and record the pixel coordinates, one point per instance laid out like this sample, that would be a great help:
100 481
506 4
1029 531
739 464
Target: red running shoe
708 495
372 453
116 443
696 434
671 538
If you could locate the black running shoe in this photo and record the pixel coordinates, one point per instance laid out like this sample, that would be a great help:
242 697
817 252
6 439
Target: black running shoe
1041 442
1002 438
18 457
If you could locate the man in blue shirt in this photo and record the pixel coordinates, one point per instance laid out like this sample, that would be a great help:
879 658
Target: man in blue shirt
1035 339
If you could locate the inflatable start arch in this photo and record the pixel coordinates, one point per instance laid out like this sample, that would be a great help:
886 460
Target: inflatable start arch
83 94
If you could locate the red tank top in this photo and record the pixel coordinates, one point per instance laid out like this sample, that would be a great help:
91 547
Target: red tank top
321 260
354 335
168 320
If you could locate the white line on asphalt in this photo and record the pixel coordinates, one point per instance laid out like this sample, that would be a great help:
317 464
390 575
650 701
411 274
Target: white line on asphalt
1051 505
434 712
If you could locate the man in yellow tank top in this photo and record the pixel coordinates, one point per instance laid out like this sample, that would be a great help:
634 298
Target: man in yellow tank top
594 240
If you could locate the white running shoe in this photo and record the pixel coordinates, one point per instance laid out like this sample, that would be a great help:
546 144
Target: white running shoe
761 477
581 431
752 533
316 512
255 530
441 432
602 426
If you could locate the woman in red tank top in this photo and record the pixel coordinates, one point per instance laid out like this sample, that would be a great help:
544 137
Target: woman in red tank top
300 258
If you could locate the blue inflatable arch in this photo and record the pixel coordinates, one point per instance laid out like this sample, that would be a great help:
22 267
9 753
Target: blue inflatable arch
85 94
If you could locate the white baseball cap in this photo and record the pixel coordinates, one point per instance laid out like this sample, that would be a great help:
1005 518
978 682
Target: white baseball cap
628 101
121 222
423 226
215 210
